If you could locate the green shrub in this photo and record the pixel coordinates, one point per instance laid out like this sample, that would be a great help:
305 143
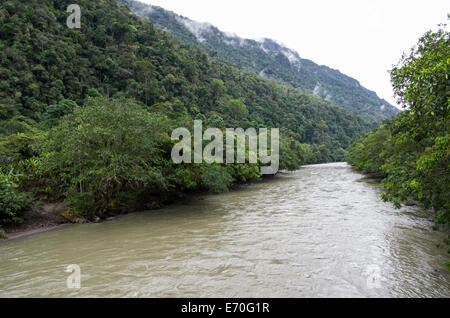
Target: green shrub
12 201
216 178
106 155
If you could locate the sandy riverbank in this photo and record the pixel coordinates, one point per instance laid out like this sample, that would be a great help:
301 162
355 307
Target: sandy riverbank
47 218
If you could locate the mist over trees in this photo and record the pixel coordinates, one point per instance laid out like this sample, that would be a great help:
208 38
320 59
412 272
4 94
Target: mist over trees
75 105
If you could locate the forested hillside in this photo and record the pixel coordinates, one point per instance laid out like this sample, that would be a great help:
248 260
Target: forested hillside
86 114
412 151
271 60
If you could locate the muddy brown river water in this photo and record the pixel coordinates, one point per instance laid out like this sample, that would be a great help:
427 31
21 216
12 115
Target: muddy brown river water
320 232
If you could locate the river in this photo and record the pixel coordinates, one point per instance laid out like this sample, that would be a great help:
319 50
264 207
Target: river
318 232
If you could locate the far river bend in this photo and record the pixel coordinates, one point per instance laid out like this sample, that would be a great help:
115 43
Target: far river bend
320 232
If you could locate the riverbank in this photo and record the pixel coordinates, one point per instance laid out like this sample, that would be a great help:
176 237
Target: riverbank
45 217
50 216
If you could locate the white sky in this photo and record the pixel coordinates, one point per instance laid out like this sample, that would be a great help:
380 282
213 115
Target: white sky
361 38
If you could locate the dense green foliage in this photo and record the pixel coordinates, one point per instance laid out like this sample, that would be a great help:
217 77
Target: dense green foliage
412 152
12 200
271 60
86 115
104 154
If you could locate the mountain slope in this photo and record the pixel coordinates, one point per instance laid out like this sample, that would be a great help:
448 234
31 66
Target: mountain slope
269 59
117 54
86 114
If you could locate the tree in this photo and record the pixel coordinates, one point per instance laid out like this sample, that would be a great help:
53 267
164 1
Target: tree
421 82
218 89
105 154
215 121
412 151
237 109
216 178
59 110
145 71
12 201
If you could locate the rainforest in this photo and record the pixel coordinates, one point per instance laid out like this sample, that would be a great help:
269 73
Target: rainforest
86 114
